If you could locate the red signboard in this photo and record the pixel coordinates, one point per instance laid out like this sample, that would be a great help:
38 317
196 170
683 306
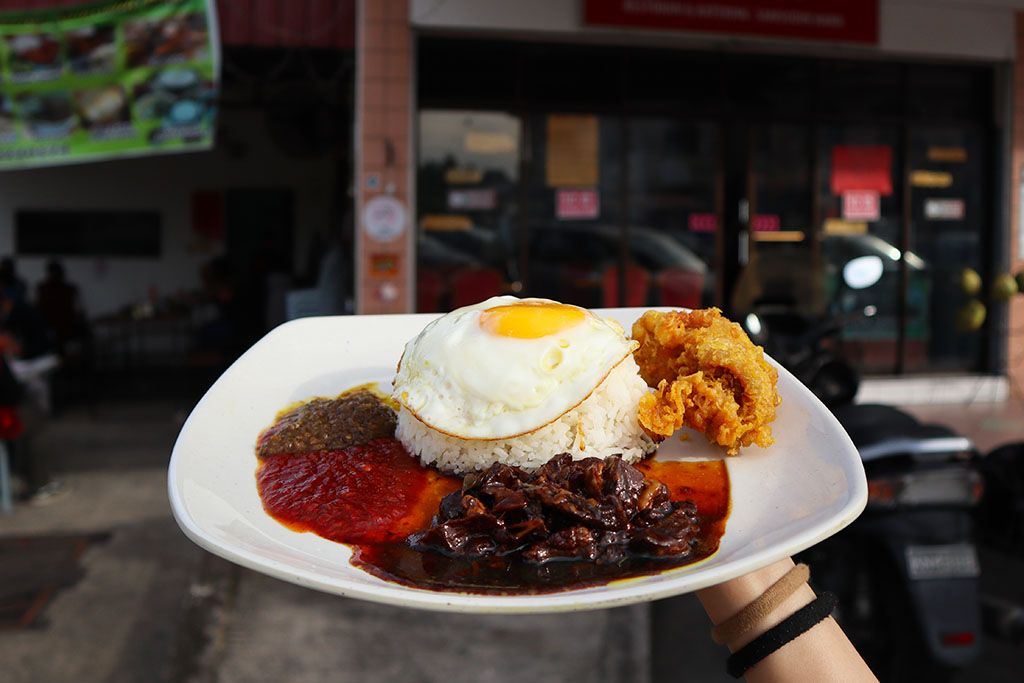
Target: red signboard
852 21
862 205
577 204
208 215
862 167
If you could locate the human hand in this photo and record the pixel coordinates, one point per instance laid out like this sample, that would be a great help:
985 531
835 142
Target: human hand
819 653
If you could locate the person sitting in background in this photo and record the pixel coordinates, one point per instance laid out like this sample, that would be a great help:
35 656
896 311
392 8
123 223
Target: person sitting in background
27 334
27 358
59 303
15 287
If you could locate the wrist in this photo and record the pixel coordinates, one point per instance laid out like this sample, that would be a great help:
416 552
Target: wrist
727 599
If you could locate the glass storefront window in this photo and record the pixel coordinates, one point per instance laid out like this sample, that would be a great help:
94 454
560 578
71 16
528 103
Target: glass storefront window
780 268
719 166
870 312
673 212
574 190
947 223
467 188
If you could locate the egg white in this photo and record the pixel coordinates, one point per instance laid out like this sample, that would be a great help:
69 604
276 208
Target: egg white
459 379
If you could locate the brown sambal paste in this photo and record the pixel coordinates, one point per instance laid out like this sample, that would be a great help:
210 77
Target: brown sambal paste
374 496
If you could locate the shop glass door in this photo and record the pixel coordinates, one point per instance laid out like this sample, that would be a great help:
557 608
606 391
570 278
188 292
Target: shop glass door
862 245
574 228
778 264
674 224
467 208
822 234
622 211
948 221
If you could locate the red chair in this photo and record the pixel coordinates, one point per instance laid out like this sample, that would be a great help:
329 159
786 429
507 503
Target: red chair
638 282
473 285
682 288
429 290
578 285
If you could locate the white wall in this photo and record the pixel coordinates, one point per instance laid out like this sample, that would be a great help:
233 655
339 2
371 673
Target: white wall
977 29
164 183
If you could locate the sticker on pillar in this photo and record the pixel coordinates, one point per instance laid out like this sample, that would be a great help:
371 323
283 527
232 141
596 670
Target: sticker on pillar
372 181
702 222
384 264
387 292
384 218
577 205
862 205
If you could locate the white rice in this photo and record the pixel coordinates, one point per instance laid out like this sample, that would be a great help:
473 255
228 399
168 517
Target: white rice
605 424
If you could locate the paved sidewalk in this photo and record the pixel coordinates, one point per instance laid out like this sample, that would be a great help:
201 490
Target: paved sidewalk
987 424
152 607
144 610
119 622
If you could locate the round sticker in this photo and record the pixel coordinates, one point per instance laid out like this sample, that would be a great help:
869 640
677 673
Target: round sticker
384 218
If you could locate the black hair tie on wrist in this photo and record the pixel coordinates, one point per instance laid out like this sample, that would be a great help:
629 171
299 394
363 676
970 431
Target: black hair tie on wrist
791 628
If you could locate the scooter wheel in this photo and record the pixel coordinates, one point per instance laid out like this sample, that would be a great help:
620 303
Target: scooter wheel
835 383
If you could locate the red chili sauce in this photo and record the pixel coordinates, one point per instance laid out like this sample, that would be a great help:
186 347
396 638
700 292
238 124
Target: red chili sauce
372 497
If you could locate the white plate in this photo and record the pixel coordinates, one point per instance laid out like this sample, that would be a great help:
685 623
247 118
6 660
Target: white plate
806 487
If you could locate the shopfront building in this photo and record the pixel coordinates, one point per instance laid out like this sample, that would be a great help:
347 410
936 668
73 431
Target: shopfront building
554 152
848 162
608 176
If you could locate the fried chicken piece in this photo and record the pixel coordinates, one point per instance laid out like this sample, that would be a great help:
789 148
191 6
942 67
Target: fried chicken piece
708 375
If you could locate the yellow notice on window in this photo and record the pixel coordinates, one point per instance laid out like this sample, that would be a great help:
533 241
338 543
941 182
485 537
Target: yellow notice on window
948 155
838 226
931 179
572 151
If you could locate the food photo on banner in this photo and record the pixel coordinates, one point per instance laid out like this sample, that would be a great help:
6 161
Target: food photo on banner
107 80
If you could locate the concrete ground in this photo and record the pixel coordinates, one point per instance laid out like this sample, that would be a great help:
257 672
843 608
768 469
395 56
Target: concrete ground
987 424
153 607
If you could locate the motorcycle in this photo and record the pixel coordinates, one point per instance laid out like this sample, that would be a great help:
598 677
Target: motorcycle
808 348
999 520
906 571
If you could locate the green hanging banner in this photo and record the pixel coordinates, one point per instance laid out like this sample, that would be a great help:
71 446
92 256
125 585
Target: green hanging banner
108 80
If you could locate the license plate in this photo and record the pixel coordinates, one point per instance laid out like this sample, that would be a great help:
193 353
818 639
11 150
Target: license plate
958 561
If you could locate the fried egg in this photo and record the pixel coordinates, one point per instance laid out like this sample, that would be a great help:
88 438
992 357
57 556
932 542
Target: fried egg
506 366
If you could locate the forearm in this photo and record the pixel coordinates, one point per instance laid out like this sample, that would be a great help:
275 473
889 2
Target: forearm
821 654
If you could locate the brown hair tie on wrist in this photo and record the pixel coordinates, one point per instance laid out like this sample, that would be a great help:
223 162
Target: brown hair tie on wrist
762 606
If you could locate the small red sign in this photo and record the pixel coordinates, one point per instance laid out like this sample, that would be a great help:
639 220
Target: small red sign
702 222
862 167
577 204
765 222
862 205
208 215
853 21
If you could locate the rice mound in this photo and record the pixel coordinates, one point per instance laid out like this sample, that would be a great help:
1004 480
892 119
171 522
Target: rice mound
604 424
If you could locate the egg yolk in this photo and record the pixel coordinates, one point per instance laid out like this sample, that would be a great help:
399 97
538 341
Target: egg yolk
530 320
